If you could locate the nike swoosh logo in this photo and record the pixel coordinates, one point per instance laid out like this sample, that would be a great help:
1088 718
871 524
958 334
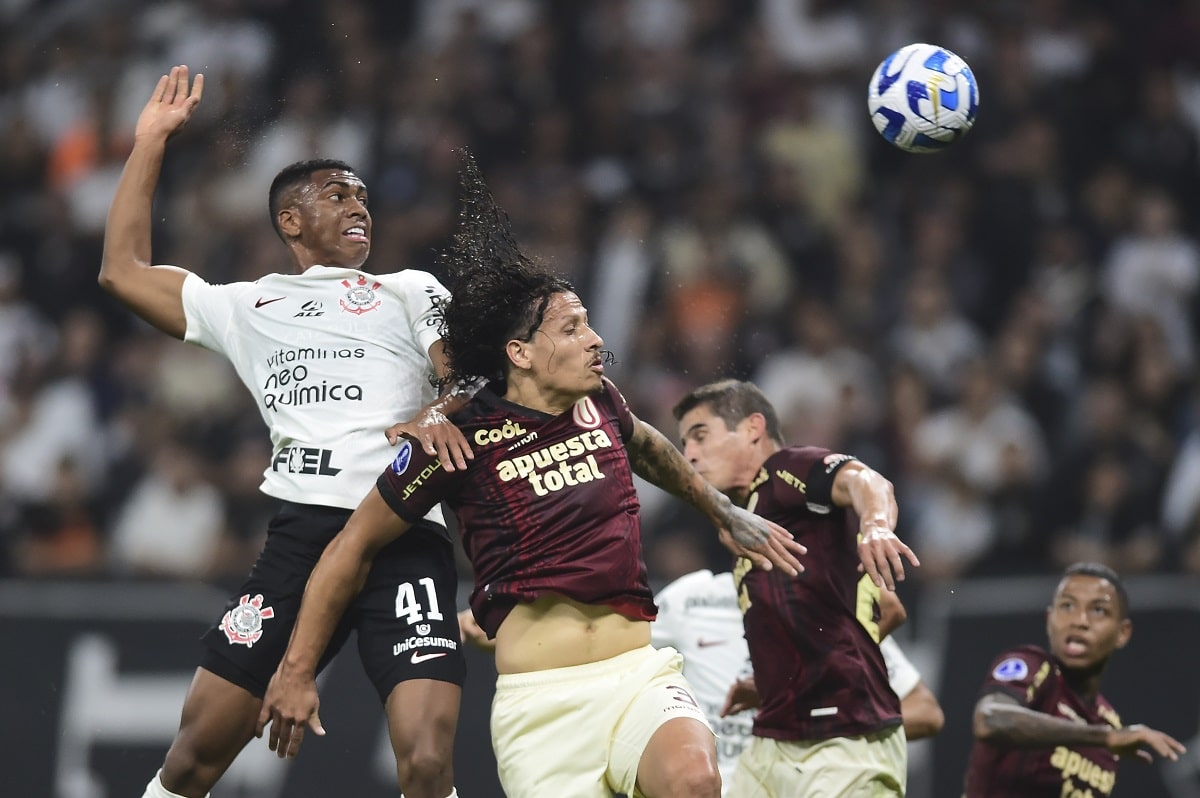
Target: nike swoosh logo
262 301
706 643
418 657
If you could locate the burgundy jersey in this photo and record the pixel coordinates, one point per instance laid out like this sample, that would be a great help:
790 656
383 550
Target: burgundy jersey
1035 678
818 670
547 505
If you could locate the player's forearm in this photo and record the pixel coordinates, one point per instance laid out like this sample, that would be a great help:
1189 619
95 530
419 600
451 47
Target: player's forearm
336 580
655 459
127 229
866 491
1019 727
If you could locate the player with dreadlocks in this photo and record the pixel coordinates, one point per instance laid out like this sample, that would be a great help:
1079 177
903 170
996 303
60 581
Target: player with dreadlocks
549 516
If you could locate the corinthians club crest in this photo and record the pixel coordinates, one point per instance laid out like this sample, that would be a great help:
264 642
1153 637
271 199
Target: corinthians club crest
360 297
243 624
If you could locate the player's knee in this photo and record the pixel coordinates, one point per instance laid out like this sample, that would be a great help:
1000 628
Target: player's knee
693 776
424 766
184 773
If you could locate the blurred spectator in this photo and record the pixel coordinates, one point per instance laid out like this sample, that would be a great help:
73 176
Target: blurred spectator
172 525
932 335
705 171
1155 270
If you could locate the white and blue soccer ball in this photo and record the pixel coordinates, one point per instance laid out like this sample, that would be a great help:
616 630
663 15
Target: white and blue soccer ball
923 98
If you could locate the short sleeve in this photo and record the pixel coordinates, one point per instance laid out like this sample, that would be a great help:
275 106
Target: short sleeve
208 310
624 414
902 674
821 475
415 482
422 292
1018 673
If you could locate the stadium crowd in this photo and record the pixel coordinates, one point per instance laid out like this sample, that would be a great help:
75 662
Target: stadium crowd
1008 329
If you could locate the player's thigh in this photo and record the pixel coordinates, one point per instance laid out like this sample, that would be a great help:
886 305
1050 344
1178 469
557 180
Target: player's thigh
422 717
649 748
871 766
217 721
407 618
245 645
556 732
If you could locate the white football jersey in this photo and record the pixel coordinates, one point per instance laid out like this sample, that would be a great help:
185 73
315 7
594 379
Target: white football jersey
333 357
698 615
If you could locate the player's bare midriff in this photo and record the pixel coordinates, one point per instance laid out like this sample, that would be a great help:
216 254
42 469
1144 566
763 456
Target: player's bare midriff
556 632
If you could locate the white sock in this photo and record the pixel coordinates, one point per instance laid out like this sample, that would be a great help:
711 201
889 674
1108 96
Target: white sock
453 793
155 789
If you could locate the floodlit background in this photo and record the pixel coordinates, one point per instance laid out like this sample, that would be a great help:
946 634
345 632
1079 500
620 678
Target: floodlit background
1007 329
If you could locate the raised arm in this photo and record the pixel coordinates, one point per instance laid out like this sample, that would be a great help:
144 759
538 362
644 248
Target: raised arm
873 499
291 701
153 292
655 459
1001 720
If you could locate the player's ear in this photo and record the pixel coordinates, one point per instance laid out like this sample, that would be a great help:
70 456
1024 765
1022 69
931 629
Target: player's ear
518 353
756 425
1125 633
289 222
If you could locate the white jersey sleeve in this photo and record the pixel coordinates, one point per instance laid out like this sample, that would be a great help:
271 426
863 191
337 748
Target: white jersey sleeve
332 357
902 674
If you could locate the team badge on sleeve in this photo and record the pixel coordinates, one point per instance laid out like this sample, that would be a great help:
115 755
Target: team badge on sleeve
400 464
1011 670
243 624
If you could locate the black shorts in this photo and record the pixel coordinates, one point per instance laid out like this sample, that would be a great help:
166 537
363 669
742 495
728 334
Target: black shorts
405 615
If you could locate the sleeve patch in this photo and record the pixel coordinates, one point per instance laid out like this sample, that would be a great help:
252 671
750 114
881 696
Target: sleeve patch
403 456
1012 669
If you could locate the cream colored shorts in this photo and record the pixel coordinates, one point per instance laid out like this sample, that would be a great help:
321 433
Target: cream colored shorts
872 766
580 731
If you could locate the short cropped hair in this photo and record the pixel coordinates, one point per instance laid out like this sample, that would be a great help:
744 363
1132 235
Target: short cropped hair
295 175
732 401
1100 571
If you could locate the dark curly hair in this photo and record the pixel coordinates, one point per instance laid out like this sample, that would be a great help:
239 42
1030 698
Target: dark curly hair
497 292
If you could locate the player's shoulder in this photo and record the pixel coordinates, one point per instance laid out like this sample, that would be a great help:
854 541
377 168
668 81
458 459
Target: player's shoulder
408 279
1018 664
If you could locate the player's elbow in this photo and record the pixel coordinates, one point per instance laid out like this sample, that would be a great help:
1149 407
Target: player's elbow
983 725
923 716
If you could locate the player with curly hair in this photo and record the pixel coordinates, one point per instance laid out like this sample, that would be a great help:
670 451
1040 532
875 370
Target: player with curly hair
549 517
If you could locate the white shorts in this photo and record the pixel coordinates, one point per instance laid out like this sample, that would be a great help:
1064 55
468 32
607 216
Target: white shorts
870 766
580 731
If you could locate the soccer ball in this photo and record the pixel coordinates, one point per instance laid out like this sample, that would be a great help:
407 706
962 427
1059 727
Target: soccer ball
923 98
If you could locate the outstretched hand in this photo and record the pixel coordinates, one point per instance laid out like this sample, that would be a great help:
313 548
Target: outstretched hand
290 704
1139 741
437 436
880 551
765 543
171 105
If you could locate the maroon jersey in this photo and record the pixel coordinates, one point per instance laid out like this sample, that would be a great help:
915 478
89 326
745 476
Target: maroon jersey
819 672
547 505
1034 678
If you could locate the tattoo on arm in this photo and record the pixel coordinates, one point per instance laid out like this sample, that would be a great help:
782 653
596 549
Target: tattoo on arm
655 459
1002 720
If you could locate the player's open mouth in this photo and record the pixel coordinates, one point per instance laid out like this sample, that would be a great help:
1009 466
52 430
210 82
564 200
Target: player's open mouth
1075 646
356 233
597 366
